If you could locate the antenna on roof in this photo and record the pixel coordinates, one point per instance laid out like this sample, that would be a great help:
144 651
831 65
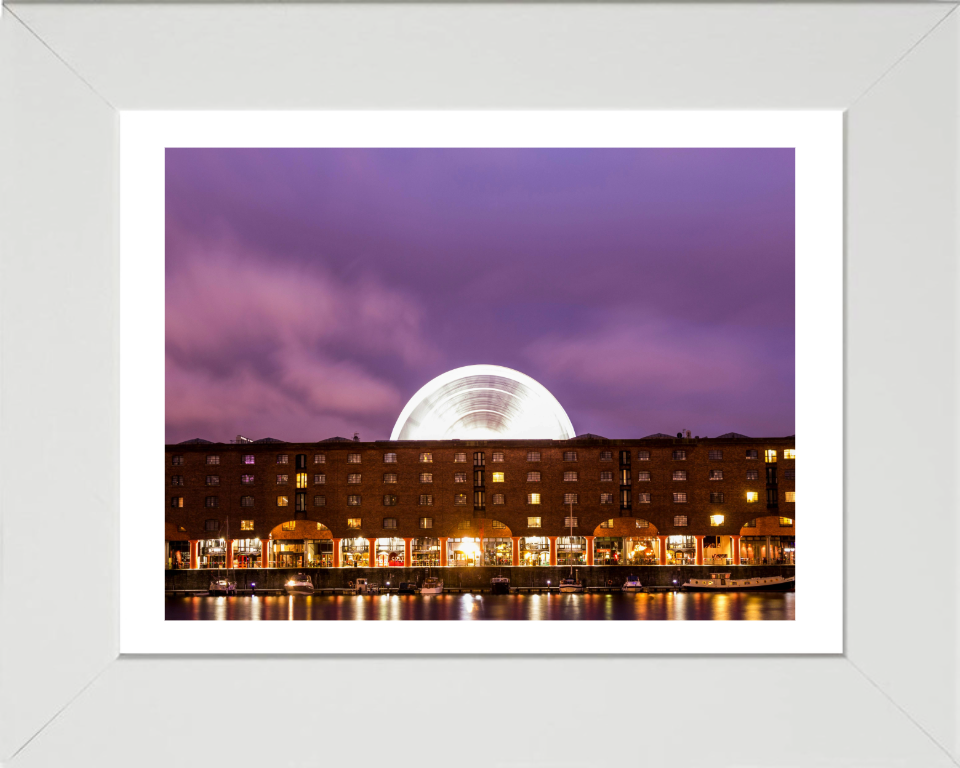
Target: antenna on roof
356 437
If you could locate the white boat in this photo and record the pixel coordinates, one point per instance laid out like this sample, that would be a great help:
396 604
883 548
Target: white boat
500 585
301 584
632 584
222 586
432 586
721 582
570 585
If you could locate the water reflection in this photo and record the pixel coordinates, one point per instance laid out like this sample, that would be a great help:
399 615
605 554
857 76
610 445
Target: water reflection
669 606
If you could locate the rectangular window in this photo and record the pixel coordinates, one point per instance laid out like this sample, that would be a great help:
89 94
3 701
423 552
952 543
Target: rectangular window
460 499
533 477
533 455
791 496
789 453
290 525
212 501
786 522
569 522
353 522
751 454
606 455
389 500
789 474
497 524
213 479
771 497
390 478
478 500
213 460
643 455
716 498
353 501
625 477
176 501
679 521
643 477
426 500
533 522
464 525
753 474
498 458
750 524
319 458
301 461
643 498
426 458
426 522
569 477
282 458
389 522
246 525
770 456
301 479
752 497
716 520
680 455
389 458
353 458
282 479
571 498
606 524
459 477
569 455
319 501
606 498
624 457
716 474
679 474
426 477
478 460
533 498
353 478
459 458
283 501
679 498
624 498
477 477
300 502
211 525
498 477
499 499
715 455
606 477
643 524
176 480
177 461
246 479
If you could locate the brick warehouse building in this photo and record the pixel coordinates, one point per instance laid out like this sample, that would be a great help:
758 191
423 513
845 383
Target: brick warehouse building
657 500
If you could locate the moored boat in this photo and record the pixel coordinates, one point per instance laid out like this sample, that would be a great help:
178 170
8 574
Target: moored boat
407 588
222 586
301 584
500 585
632 584
432 586
570 585
721 582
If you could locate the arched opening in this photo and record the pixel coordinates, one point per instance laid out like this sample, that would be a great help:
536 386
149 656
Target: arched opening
626 541
768 540
293 544
177 547
485 541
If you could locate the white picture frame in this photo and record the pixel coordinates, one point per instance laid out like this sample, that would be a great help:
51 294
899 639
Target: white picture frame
65 73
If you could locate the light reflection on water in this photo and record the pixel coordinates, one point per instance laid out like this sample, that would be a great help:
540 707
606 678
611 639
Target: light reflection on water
661 606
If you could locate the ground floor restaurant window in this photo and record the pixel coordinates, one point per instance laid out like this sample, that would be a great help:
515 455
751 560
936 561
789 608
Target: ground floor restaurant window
178 554
213 553
354 553
681 550
768 550
246 553
607 550
318 553
534 550
389 552
497 552
463 551
641 551
718 550
426 552
571 550
288 553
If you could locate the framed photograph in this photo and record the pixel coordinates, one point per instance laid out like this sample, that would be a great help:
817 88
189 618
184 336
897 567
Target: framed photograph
96 673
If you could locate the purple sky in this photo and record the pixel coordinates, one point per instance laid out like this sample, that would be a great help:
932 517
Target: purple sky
311 292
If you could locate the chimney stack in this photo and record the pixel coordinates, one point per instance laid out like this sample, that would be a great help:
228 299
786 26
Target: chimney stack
356 437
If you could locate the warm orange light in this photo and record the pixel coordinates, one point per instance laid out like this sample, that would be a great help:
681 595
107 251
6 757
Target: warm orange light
752 496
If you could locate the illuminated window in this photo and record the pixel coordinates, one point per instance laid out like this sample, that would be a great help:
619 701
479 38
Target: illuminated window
752 496
353 458
533 455
211 525
389 522
499 499
390 478
533 522
213 479
606 498
643 477
354 478
212 501
497 524
716 520
353 522
460 499
679 498
533 498
319 458
246 501
789 453
533 477
570 522
426 522
320 479
569 477
569 455
246 525
716 474
426 458
498 477
283 501
459 458
246 479
679 521
606 455
643 455
426 477
715 455
282 479
177 461
786 522
770 456
680 474
716 498
176 480
606 523
498 458
426 500
213 459
389 501
290 525
459 477
750 524
625 476
751 454
753 474
176 501
791 495
353 501
301 479
624 498
789 474
322 527
181 529
679 455
389 458
319 501
571 498
643 498
478 460
642 524
282 458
